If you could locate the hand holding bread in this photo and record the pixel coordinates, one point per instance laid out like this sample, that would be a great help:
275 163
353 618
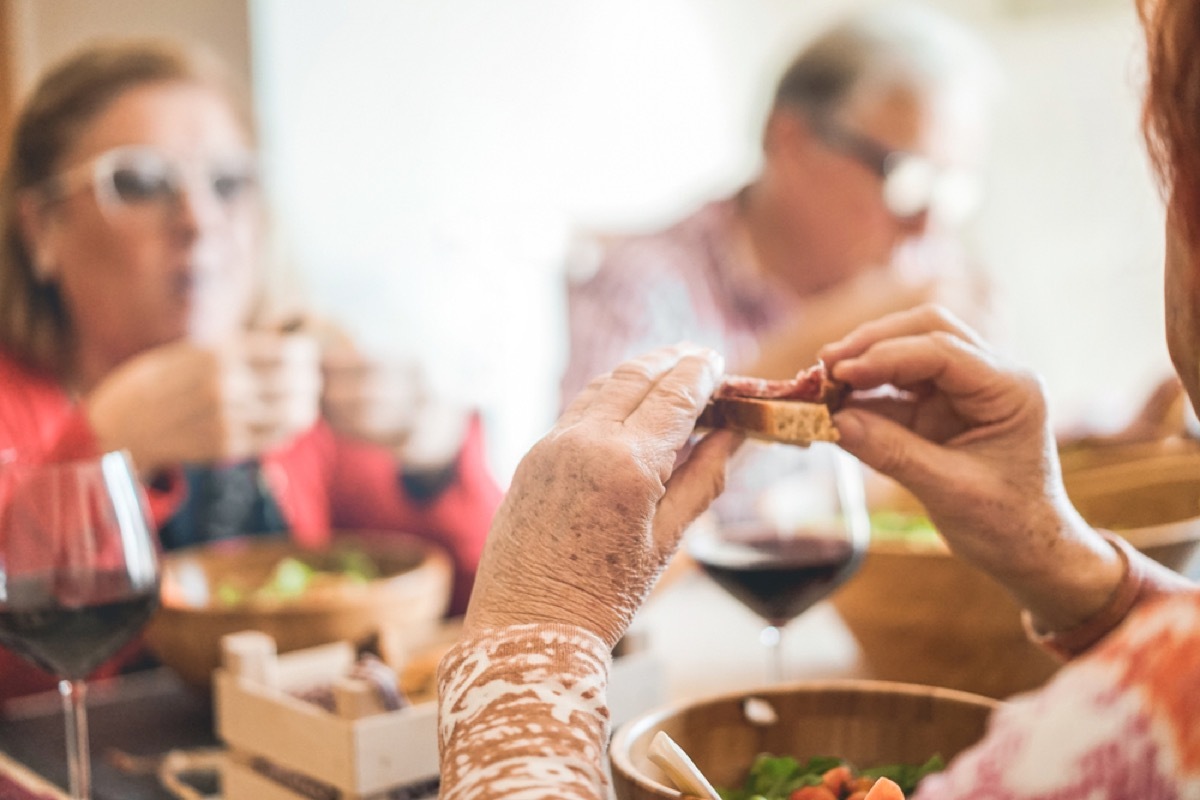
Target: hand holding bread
598 506
968 434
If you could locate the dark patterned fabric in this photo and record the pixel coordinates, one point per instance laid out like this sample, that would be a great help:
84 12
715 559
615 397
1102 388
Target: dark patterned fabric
222 502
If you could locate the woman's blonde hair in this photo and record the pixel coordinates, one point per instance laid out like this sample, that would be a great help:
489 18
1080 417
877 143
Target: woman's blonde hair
34 324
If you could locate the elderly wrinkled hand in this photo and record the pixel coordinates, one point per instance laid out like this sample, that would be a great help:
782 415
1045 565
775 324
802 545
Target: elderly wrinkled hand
969 435
184 402
597 507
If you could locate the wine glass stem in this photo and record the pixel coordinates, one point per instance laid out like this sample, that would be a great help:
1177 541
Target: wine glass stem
79 764
772 639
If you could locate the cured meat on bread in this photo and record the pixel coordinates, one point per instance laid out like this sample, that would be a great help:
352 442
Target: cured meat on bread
796 411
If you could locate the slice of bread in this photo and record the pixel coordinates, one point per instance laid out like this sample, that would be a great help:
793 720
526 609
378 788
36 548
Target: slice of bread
787 421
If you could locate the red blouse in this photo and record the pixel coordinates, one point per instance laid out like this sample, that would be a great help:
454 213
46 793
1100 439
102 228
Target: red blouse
321 481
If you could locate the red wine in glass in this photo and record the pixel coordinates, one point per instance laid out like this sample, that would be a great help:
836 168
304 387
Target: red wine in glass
78 575
71 638
793 545
778 577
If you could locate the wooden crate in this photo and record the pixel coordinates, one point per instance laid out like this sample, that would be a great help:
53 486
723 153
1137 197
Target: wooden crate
357 751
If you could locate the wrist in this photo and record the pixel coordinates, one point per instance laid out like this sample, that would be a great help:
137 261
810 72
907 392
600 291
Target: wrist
1047 557
474 633
526 606
1077 573
1077 637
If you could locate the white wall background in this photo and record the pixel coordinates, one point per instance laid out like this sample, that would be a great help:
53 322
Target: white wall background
430 159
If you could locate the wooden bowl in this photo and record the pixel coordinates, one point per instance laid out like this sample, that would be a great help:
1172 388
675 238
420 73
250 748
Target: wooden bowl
921 615
1149 492
868 723
408 598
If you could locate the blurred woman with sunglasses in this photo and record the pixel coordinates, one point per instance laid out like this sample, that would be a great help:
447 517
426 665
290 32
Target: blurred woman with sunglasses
134 306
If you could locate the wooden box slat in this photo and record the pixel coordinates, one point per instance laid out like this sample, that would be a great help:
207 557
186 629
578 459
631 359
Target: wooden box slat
358 757
240 782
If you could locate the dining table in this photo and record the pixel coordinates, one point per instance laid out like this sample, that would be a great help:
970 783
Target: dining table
699 640
134 721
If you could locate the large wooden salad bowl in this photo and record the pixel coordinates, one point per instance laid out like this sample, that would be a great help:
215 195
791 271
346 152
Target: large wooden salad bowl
402 589
868 723
921 615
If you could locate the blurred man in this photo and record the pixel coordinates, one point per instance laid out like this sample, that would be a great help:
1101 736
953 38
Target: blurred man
871 153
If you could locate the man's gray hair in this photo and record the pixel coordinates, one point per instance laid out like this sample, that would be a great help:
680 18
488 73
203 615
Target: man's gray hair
893 46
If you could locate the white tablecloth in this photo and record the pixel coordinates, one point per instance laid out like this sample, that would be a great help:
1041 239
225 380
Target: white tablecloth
709 643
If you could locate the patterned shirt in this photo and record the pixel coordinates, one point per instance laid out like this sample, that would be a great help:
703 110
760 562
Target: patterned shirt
1121 723
699 281
694 281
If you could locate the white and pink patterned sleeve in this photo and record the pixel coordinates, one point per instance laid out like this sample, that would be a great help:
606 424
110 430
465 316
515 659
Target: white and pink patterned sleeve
522 713
1121 722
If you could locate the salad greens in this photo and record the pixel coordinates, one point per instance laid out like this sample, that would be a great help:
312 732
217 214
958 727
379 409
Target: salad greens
292 578
894 525
776 777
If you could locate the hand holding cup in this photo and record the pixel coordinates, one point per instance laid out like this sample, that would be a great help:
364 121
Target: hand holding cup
184 402
388 401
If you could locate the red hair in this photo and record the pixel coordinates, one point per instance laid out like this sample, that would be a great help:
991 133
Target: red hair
1171 113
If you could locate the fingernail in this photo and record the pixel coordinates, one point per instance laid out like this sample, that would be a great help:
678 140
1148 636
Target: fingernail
839 368
833 347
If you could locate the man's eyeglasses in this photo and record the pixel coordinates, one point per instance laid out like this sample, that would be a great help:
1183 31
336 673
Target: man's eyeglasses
912 184
139 180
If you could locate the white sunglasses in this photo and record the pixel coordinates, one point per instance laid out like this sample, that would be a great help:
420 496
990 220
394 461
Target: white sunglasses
912 184
130 178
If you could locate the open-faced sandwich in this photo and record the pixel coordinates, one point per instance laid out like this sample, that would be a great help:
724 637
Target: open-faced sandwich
796 411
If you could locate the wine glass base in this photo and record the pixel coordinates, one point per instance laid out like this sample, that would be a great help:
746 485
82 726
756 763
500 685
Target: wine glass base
771 637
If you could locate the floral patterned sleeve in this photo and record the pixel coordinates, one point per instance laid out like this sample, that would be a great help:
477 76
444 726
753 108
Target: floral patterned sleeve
522 713
1122 721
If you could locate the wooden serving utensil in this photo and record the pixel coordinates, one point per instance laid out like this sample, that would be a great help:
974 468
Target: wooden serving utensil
671 759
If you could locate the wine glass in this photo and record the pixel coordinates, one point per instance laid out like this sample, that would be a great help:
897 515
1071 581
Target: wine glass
792 527
78 576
